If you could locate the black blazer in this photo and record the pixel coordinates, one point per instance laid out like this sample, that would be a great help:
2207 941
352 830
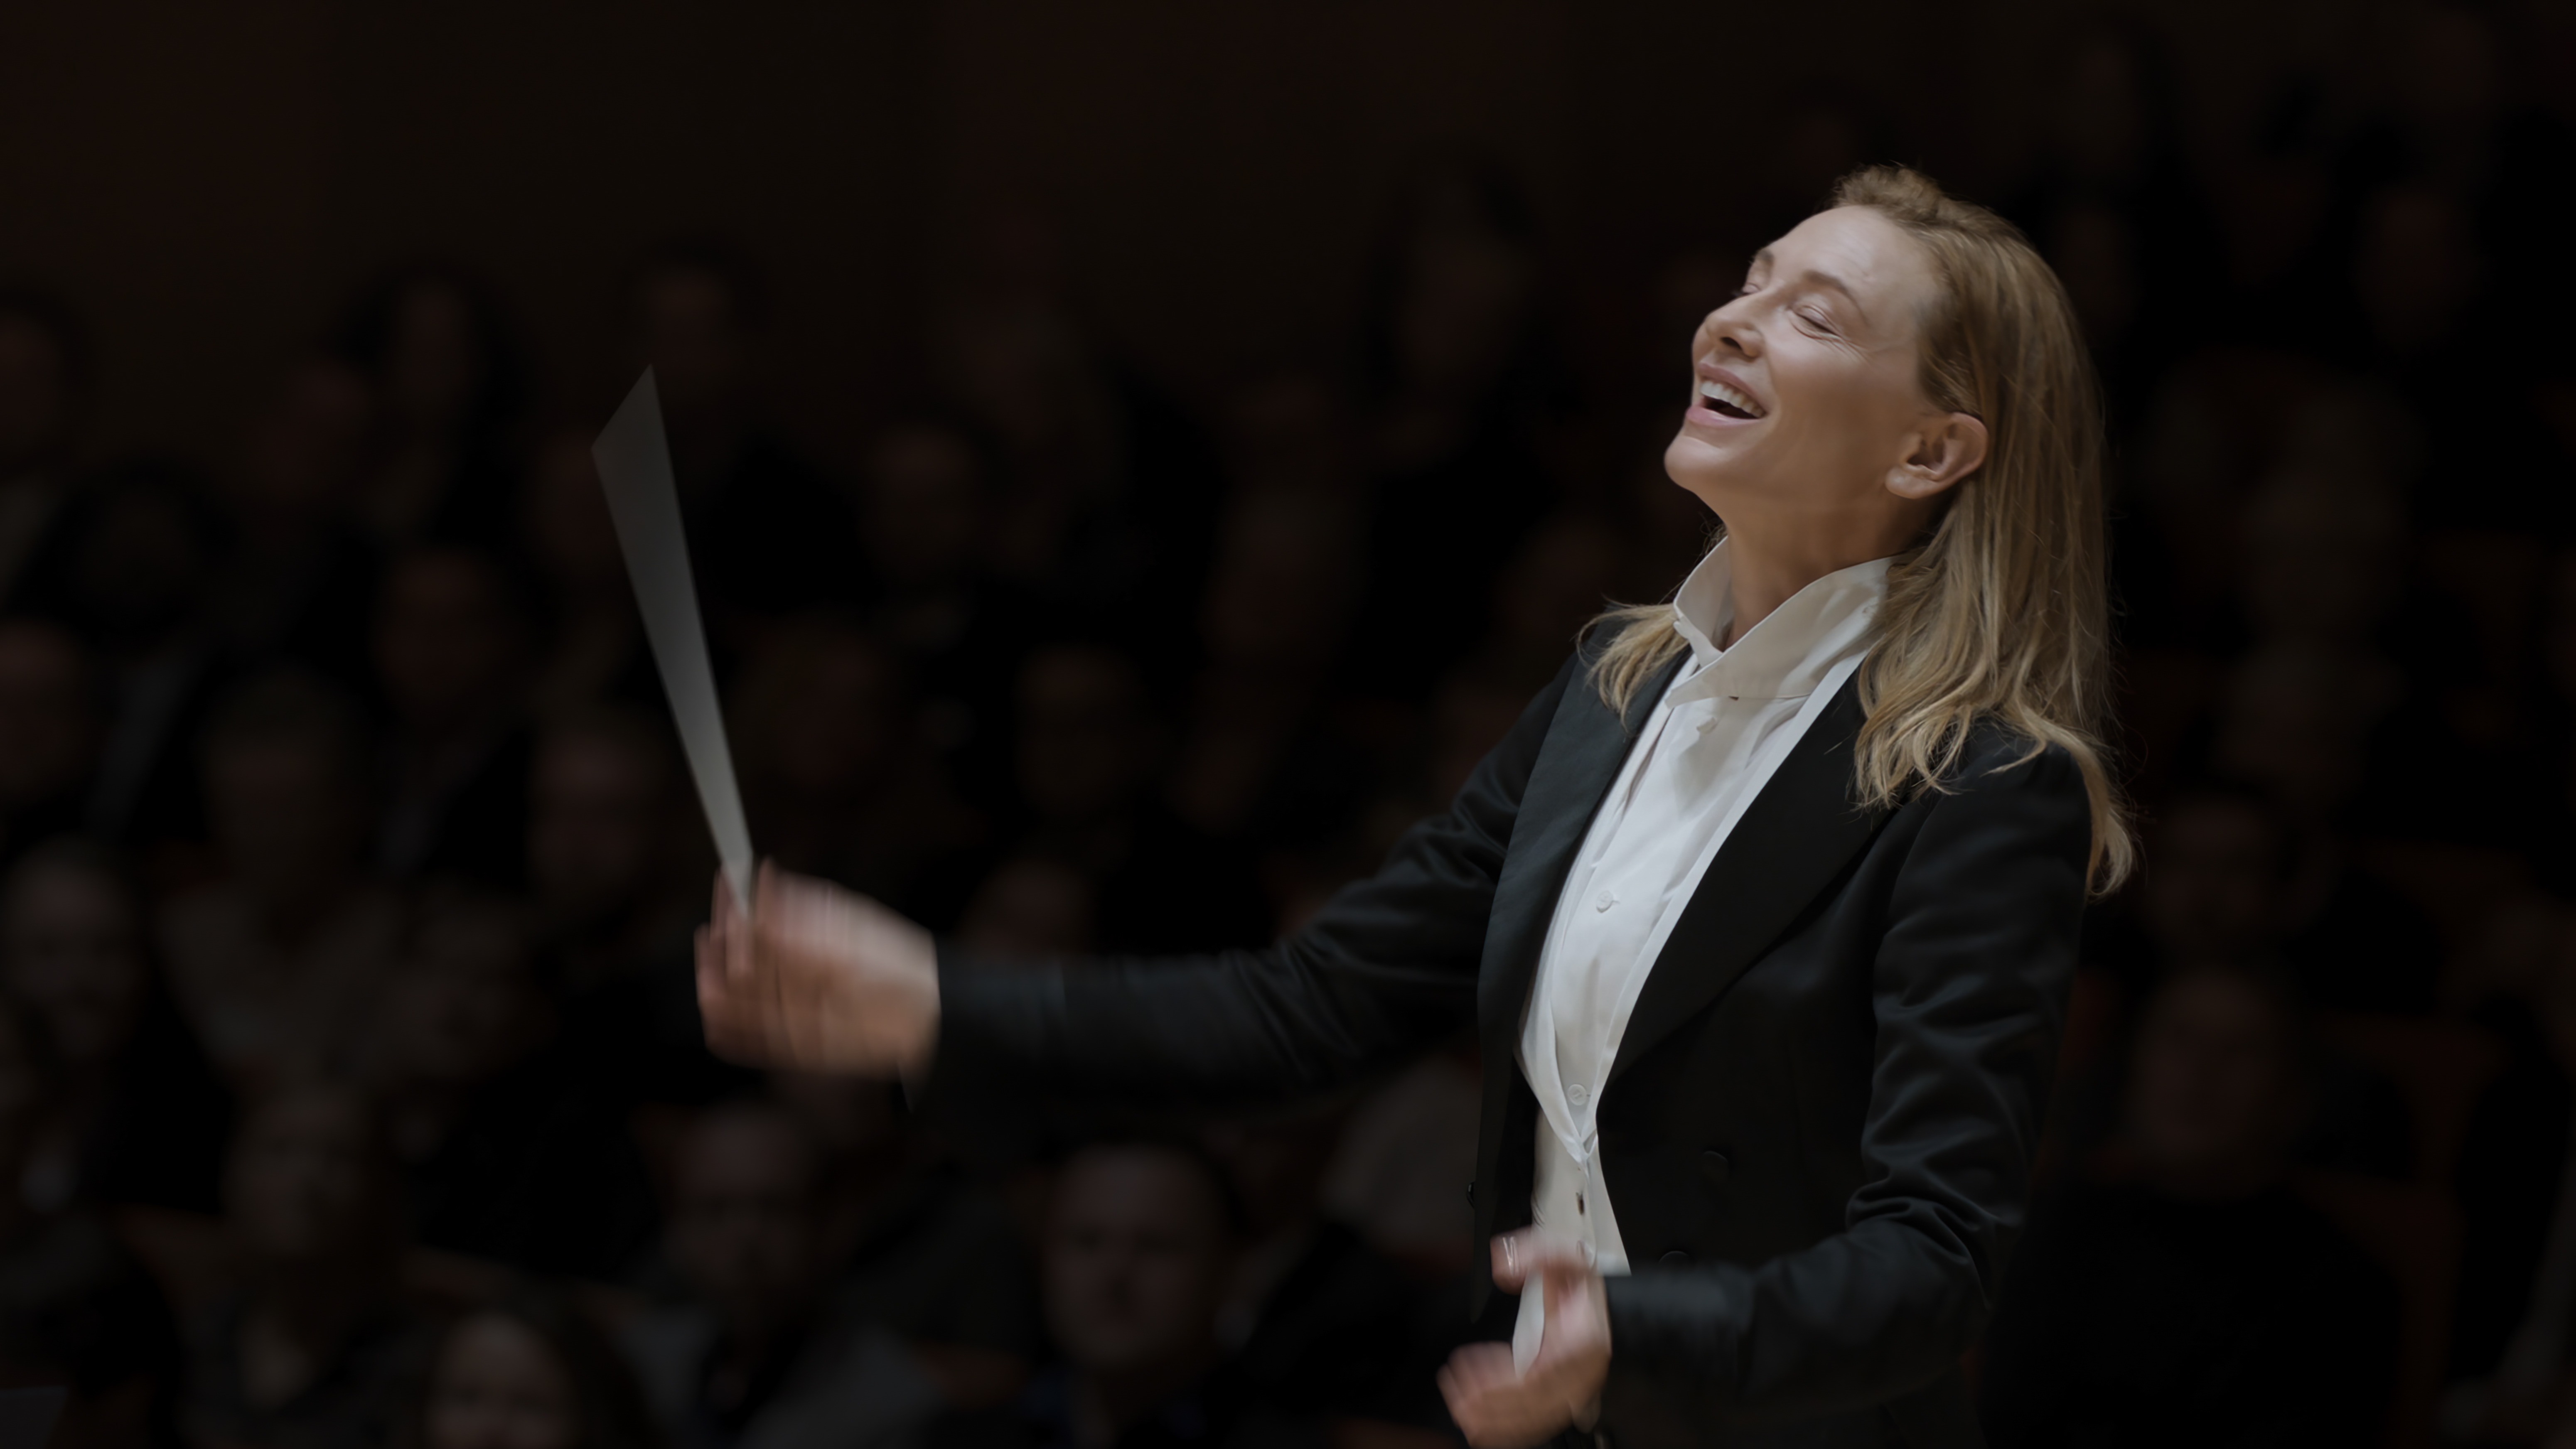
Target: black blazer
1818 1129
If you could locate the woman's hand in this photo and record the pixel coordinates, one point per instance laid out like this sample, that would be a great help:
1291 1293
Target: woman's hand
818 979
1500 1409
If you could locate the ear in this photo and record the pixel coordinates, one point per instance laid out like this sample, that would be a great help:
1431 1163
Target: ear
1948 448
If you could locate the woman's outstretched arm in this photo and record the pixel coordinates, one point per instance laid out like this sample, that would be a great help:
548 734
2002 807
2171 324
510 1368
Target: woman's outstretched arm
818 978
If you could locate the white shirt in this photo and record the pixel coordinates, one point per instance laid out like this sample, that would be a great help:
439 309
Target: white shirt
1723 726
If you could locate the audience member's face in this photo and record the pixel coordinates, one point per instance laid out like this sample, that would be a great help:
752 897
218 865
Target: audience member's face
845 729
2212 888
35 394
71 947
693 339
467 1007
498 1385
744 1230
284 812
1084 740
598 824
1280 585
447 645
569 531
2295 722
435 363
925 508
1019 372
1136 1259
48 726
306 1182
2319 560
1029 907
2213 1092
306 448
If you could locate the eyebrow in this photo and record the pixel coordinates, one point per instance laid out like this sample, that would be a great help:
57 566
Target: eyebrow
1763 258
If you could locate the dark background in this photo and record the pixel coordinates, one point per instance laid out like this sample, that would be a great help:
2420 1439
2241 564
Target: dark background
1139 456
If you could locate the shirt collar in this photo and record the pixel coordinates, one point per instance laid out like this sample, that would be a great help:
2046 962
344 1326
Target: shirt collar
1788 652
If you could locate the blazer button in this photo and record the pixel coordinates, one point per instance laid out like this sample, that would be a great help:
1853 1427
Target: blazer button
1471 1194
1714 1167
1676 1259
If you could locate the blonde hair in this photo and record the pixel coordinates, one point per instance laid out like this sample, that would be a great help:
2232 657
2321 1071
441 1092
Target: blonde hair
2001 611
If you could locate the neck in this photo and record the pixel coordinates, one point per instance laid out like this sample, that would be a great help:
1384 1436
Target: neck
1766 572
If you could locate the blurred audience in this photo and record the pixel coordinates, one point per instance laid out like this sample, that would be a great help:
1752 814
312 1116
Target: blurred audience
512 1150
139 551
927 502
75 1309
767 534
616 875
1139 1242
836 777
919 1249
138 1115
2200 1300
1313 1315
313 1350
49 733
341 756
44 380
278 963
1090 747
434 347
528 1372
452 645
756 1357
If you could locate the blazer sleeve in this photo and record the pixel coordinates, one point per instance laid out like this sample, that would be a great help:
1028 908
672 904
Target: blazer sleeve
1385 969
1968 992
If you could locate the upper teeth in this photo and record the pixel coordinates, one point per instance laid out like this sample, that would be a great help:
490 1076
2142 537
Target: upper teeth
1710 387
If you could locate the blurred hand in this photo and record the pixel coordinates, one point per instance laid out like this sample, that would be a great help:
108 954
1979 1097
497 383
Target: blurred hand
1499 1409
818 979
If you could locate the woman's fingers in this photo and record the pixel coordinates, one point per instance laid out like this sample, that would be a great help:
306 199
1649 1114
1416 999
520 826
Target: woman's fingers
1492 1405
1524 1251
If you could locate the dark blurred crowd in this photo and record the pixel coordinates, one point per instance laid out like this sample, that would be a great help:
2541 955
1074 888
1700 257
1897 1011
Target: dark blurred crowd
351 1088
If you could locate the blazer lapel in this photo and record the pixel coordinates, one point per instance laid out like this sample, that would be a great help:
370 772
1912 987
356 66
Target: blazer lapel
1585 746
1794 838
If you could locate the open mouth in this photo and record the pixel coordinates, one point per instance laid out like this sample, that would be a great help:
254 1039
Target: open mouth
1725 401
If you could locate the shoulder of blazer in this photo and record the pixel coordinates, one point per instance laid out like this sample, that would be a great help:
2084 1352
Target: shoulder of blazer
1998 757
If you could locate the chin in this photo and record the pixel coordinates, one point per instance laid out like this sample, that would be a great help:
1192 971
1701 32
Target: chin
1699 465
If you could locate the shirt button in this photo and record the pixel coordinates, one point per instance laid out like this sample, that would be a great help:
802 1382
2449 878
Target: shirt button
1706 725
1605 900
1576 1094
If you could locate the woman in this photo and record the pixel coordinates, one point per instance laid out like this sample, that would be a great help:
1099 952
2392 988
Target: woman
1765 912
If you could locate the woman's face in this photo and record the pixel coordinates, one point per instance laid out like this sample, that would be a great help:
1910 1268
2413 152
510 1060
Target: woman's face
1807 408
498 1386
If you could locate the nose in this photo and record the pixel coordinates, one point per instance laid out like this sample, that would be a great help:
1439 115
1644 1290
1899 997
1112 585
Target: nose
1730 329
